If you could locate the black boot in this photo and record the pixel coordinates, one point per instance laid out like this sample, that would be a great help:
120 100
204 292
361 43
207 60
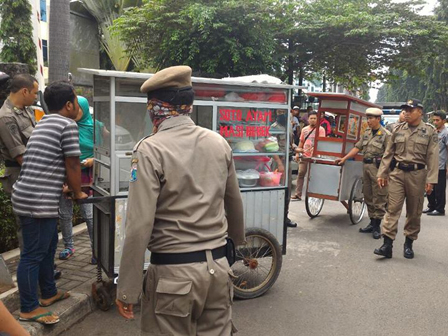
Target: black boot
290 223
368 228
408 252
386 249
376 233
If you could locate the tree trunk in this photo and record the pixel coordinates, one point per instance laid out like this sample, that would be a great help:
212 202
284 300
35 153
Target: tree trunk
59 42
290 62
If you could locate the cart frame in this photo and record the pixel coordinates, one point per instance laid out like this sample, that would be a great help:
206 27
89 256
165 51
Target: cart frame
341 183
115 89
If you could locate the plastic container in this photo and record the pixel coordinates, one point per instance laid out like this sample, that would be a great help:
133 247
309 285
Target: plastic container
247 178
270 179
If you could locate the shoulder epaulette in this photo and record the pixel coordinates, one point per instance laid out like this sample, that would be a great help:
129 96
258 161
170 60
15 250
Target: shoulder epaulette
432 126
399 124
140 141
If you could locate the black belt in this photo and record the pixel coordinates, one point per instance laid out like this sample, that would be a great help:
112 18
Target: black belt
410 167
11 164
185 258
373 160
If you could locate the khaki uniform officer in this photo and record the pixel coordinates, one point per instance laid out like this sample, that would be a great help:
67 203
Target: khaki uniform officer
16 125
413 153
372 145
184 201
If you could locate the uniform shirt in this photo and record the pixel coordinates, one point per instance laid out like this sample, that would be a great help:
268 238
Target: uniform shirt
443 150
413 146
373 145
295 124
16 126
39 187
308 145
183 197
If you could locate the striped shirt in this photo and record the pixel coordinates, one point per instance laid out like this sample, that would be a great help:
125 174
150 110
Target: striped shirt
39 187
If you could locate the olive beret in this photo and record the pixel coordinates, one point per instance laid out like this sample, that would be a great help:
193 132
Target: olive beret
172 77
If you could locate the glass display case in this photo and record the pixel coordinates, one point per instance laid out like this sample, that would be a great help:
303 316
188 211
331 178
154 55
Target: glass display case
253 118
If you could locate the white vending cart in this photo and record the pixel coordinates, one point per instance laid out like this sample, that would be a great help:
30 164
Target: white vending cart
253 117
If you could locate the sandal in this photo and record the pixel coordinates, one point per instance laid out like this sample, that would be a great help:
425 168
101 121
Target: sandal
296 198
58 297
41 319
66 253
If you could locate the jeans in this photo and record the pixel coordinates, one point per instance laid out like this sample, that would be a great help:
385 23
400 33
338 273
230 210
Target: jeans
66 219
36 265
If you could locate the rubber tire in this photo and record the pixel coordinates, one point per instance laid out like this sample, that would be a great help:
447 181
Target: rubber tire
278 258
308 211
104 300
350 202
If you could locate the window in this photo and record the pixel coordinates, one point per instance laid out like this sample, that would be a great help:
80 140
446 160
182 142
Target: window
43 10
45 51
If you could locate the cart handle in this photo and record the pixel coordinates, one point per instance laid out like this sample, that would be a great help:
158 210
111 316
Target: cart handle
98 199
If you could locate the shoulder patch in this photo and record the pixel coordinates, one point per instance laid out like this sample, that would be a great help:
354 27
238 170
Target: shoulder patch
133 176
12 127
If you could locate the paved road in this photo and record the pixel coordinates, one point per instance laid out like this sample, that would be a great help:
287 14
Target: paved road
332 284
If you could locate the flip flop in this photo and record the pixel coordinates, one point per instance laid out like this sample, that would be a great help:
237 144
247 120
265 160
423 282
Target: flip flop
39 319
60 297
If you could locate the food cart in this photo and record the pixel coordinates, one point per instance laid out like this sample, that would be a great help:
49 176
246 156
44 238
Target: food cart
326 179
253 117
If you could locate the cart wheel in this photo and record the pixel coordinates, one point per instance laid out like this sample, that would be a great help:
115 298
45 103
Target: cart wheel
258 264
356 204
313 206
103 298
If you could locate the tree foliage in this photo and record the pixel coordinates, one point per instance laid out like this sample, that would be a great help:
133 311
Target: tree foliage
105 12
351 42
221 37
354 42
16 33
429 81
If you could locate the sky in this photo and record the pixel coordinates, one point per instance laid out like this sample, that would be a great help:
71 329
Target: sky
427 10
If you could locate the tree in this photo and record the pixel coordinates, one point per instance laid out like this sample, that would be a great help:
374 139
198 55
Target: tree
105 12
351 42
16 33
59 42
216 38
355 42
429 81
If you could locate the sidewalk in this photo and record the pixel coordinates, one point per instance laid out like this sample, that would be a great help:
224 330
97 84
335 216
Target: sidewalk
77 277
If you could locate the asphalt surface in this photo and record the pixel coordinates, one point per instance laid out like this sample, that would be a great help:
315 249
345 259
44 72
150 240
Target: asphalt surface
331 283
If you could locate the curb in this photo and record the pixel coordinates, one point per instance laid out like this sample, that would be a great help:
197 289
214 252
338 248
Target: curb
70 311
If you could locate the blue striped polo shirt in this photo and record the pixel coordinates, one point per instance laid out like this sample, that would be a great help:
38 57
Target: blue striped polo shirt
39 187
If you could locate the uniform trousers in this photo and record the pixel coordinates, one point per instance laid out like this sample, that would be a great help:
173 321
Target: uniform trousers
188 299
11 176
374 196
409 186
303 168
437 199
